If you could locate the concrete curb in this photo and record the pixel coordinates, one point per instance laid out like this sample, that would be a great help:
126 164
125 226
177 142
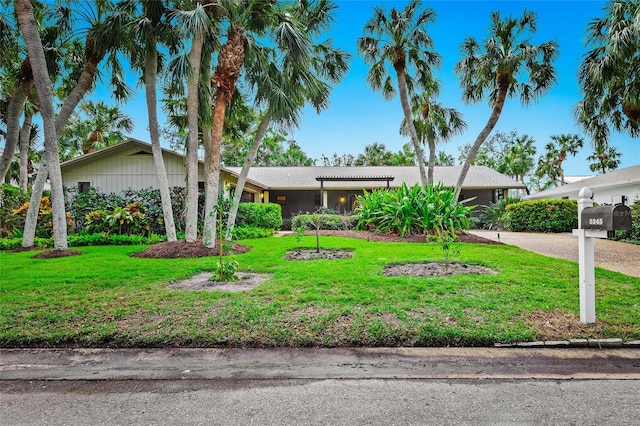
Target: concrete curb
575 343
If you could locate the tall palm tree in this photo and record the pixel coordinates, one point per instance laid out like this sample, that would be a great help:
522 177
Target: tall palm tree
245 21
434 122
401 40
296 74
548 165
565 145
609 75
604 159
24 12
505 66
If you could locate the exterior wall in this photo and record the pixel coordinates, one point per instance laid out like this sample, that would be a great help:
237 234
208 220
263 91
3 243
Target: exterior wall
295 201
130 168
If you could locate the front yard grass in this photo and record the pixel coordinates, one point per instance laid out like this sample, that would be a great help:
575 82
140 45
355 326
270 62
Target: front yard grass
105 298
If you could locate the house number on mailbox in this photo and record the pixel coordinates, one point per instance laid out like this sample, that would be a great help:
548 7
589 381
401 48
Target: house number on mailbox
598 221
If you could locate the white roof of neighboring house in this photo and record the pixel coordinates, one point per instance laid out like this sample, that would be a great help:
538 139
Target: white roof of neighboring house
302 178
626 176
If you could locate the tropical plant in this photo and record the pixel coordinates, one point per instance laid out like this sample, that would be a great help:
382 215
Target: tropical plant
400 38
564 145
433 122
548 165
604 159
505 66
444 159
608 76
518 161
493 216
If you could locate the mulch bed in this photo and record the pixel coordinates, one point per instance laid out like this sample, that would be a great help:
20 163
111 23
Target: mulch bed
52 254
182 249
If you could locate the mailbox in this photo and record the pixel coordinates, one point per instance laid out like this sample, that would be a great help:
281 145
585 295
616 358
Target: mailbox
606 218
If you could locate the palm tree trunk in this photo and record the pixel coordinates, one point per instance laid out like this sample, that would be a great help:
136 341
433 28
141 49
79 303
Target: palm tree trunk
195 57
45 94
31 220
404 100
150 77
212 184
16 106
246 166
432 160
25 137
484 133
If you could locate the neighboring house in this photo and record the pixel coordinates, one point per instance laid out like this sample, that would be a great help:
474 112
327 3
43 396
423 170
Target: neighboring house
567 180
619 186
129 164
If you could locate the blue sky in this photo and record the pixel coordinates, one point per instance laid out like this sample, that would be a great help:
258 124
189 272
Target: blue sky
358 116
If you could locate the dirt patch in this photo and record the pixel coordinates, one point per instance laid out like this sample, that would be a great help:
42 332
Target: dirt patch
200 282
313 254
182 249
557 325
53 254
435 269
376 236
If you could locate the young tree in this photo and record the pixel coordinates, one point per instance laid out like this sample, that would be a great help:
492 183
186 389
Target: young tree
401 39
505 66
609 75
604 159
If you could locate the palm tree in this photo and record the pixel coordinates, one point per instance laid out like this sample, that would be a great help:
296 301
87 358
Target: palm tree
519 160
604 159
506 66
375 154
400 39
152 28
608 76
29 28
435 122
99 126
444 159
565 145
548 165
297 73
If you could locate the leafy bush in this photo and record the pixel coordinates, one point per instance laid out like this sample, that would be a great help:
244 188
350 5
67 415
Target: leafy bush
413 211
225 272
268 216
494 217
11 198
77 240
247 232
543 216
323 221
632 236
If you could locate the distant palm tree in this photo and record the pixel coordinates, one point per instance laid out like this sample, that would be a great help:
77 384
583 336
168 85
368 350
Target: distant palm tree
604 159
444 159
548 165
506 66
400 38
375 154
518 159
609 75
565 145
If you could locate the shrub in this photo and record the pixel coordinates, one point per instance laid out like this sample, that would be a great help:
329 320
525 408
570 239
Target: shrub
413 211
543 216
632 236
323 221
247 232
494 217
77 240
260 215
11 199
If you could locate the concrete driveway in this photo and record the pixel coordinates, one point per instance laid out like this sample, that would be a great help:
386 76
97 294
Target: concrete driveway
612 255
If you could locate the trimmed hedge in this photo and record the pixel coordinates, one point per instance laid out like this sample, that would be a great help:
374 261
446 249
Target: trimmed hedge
260 215
79 240
542 216
327 221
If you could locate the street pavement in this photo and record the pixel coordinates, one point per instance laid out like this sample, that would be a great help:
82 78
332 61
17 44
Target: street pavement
309 386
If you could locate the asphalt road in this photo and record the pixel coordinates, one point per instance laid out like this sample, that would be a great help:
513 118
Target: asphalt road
345 386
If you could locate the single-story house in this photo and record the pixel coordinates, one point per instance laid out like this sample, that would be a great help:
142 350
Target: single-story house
619 186
129 165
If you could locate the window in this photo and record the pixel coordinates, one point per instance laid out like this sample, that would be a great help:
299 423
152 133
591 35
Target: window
281 199
83 187
247 197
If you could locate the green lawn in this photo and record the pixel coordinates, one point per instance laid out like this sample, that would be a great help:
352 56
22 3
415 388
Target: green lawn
106 298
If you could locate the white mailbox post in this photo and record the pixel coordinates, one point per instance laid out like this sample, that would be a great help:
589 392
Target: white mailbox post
586 260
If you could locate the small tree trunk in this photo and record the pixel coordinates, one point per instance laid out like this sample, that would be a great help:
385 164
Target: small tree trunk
25 136
31 220
212 184
246 166
14 112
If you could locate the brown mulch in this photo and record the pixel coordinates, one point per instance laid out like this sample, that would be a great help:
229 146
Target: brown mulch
182 249
53 254
376 236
